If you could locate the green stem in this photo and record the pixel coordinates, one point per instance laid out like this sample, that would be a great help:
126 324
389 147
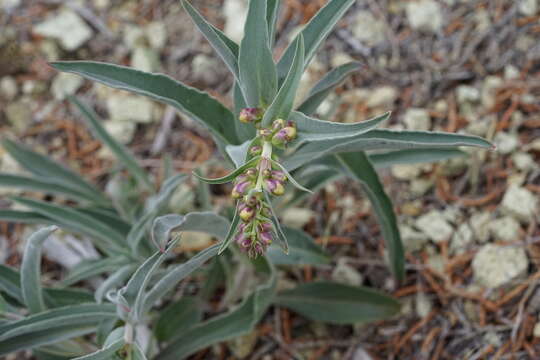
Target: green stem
266 154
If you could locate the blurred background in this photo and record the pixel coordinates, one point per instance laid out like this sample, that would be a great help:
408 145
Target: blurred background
470 225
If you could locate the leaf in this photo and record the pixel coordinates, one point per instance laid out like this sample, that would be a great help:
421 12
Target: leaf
119 151
74 315
105 237
256 66
312 130
244 132
206 222
237 322
44 186
10 283
31 269
177 274
115 279
55 298
25 217
232 175
283 102
238 153
196 104
381 140
314 33
302 250
107 353
277 226
48 170
272 9
290 178
358 166
137 353
228 51
230 233
177 318
155 205
412 156
338 303
326 85
93 267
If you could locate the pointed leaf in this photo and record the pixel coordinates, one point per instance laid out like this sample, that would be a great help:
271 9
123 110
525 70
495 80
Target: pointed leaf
290 178
24 217
238 153
282 238
272 9
326 85
196 104
283 102
256 66
115 279
177 318
107 353
93 267
337 303
232 175
230 233
358 166
413 156
302 250
315 32
10 283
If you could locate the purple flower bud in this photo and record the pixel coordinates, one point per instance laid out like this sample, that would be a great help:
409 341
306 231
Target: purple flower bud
249 115
246 243
290 132
266 238
265 227
242 227
278 175
278 124
247 213
279 140
258 248
255 150
274 186
240 189
251 173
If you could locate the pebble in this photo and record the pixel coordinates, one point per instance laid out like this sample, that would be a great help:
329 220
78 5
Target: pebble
425 15
466 93
423 305
156 32
130 108
297 217
506 229
8 88
435 226
382 96
528 7
524 161
145 59
19 114
511 72
412 240
417 119
489 90
205 68
235 13
520 203
536 331
65 84
462 239
506 142
497 265
346 274
121 131
368 29
480 225
66 26
406 171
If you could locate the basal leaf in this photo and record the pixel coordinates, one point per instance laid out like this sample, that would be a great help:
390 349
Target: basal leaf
338 303
194 103
177 318
413 156
107 353
302 250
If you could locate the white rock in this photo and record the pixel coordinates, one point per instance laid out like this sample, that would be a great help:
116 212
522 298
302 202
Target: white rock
489 90
235 12
505 229
496 265
340 58
528 7
406 171
8 88
144 59
130 108
133 36
297 217
19 114
506 142
420 186
511 72
417 119
382 96
9 4
462 239
412 240
466 93
425 15
205 68
480 225
122 131
156 33
65 84
67 27
346 274
536 331
520 203
368 29
435 226
423 305
524 161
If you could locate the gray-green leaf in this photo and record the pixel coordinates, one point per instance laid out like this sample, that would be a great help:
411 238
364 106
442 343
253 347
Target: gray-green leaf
302 250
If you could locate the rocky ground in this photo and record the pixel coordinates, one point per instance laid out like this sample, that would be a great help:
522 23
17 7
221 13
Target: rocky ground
470 225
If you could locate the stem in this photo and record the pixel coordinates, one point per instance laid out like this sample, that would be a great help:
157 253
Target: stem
266 155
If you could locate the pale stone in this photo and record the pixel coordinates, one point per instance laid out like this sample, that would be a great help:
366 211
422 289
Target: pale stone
520 203
130 108
368 29
121 131
144 59
423 305
462 239
528 7
340 58
243 346
489 90
297 217
406 171
496 265
524 161
382 96
346 274
156 32
505 229
67 27
8 88
420 186
133 36
511 72
65 84
19 114
33 87
481 126
417 119
436 263
536 331
480 225
205 68
235 12
466 93
435 226
425 15
50 49
506 142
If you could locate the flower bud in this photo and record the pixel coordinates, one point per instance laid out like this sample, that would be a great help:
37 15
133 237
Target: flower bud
266 238
290 132
265 134
266 173
255 150
251 173
251 199
279 140
275 187
278 124
240 189
278 175
247 213
265 227
250 115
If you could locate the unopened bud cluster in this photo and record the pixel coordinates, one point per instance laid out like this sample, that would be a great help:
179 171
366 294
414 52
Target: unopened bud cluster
255 233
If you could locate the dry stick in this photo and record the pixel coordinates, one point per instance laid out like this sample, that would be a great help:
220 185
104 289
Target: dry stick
413 330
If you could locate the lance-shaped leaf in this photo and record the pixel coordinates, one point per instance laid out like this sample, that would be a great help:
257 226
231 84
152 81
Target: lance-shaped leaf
231 232
177 318
413 156
234 323
283 102
282 238
107 353
196 104
10 283
226 48
93 267
177 274
381 140
48 170
114 280
206 222
120 151
24 217
302 250
257 69
338 303
315 32
239 153
232 175
31 269
313 130
325 86
358 166
244 132
272 9
105 237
